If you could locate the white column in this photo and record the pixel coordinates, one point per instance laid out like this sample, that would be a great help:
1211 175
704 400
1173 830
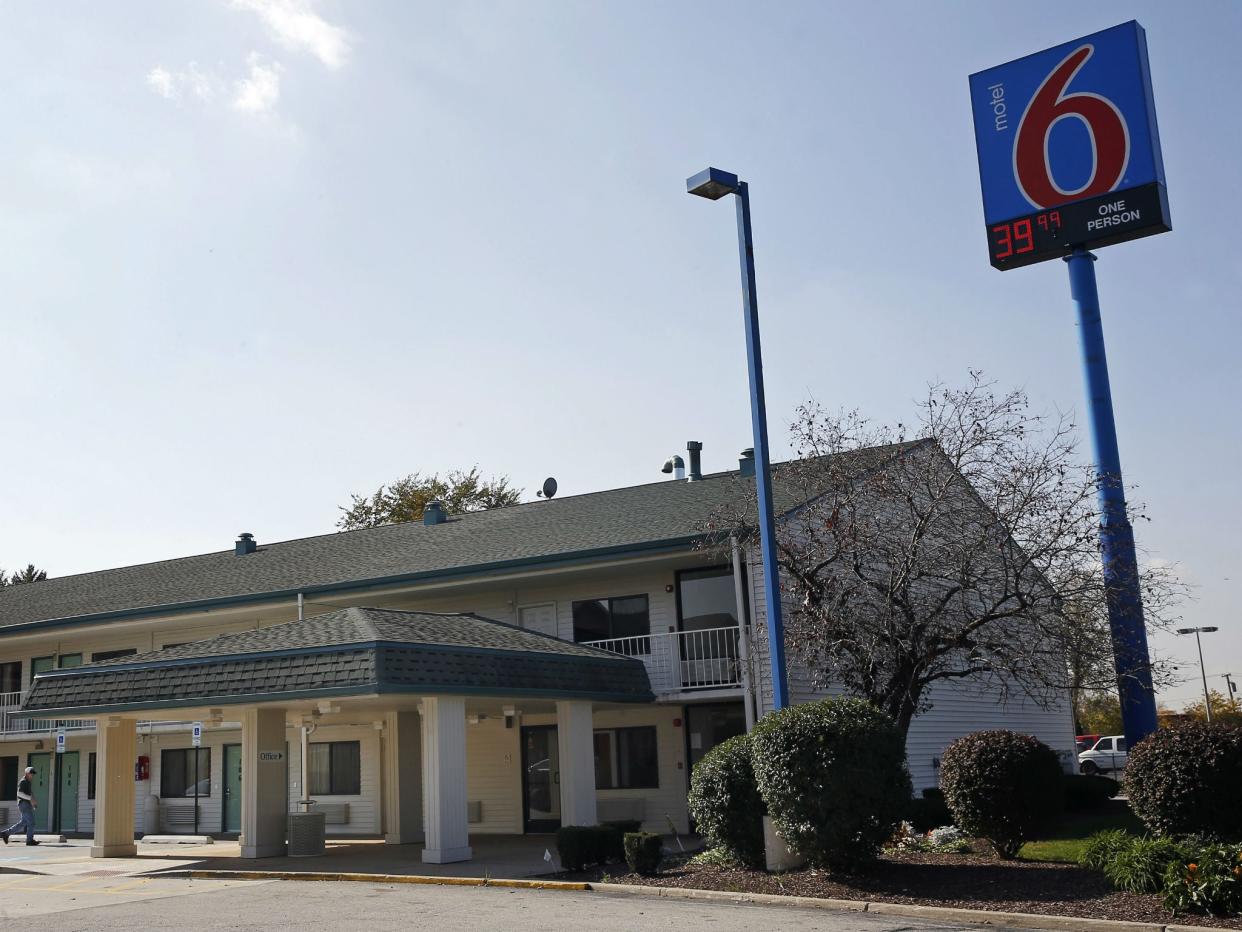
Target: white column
264 762
117 748
403 778
576 742
444 779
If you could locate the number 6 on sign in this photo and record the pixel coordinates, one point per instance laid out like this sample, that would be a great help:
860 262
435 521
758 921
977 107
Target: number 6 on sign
1110 140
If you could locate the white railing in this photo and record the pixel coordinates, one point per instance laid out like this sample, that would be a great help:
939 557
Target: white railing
683 660
11 702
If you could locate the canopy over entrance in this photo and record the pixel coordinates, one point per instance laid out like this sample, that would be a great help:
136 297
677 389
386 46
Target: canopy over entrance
351 652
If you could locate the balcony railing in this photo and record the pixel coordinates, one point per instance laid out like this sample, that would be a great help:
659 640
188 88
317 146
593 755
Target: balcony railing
11 702
683 660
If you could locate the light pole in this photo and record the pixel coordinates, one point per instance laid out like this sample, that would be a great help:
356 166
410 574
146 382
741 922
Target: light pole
1207 699
713 184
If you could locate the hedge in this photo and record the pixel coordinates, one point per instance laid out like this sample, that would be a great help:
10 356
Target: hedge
1186 780
1001 786
725 802
834 779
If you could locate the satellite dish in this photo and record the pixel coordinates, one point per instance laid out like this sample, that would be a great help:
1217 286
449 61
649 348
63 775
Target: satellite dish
549 488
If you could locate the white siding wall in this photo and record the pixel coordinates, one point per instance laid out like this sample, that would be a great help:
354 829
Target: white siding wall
494 775
364 809
957 708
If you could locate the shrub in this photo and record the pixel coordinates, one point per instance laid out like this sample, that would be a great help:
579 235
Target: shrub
581 846
1102 846
1139 866
1210 883
624 826
725 801
834 779
1084 791
1184 780
930 811
1001 786
643 852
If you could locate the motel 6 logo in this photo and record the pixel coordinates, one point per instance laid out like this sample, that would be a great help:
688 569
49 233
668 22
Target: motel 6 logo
1066 124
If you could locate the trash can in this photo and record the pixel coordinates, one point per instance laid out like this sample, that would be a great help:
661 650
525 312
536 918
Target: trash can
306 831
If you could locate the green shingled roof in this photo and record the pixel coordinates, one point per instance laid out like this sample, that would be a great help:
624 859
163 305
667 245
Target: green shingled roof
617 521
354 651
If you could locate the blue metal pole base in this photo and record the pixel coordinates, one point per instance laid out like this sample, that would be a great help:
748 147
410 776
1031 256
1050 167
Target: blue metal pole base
1121 574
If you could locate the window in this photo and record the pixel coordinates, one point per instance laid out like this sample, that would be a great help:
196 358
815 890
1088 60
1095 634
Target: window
11 677
113 654
1104 744
185 772
707 599
8 777
626 759
90 776
1121 745
607 619
335 768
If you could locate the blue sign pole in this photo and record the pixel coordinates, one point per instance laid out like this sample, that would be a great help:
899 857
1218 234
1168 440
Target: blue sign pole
713 184
1124 598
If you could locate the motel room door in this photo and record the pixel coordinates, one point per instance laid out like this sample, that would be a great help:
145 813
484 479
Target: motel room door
66 792
41 785
541 779
232 789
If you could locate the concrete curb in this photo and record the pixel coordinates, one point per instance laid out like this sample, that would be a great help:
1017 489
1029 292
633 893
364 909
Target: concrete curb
979 917
425 879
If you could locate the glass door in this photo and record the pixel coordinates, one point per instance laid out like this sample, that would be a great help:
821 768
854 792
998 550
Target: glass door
541 778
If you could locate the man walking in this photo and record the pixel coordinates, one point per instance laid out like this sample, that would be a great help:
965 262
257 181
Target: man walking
25 806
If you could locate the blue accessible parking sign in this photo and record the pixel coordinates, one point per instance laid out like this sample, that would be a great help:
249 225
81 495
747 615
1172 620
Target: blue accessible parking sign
1069 153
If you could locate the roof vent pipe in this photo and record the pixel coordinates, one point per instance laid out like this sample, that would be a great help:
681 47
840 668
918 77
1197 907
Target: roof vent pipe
433 513
245 544
676 465
746 462
694 448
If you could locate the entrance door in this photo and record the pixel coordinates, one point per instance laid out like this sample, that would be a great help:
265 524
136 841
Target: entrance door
232 788
40 785
541 779
66 815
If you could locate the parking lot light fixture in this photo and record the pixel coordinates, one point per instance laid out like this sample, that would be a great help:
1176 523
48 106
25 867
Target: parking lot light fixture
1206 629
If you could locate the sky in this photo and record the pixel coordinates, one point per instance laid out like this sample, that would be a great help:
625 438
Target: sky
256 255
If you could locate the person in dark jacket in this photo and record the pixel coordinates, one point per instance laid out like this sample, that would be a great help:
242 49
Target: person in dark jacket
25 806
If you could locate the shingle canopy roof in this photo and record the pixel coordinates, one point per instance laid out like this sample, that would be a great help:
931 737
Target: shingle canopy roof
354 651
615 521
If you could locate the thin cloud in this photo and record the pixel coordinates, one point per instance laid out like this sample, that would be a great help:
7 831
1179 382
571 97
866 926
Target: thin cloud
175 85
260 90
296 26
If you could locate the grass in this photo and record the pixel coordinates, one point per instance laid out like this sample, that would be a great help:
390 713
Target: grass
1066 841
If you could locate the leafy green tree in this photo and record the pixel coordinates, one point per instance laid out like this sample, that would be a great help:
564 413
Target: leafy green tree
405 499
20 577
1224 710
1098 713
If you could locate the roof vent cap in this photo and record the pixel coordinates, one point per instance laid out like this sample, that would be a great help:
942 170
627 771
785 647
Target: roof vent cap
676 465
245 544
694 448
433 513
746 462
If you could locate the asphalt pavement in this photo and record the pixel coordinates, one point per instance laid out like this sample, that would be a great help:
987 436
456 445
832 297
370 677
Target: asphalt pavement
126 903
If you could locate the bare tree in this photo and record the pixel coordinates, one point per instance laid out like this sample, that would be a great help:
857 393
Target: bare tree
969 554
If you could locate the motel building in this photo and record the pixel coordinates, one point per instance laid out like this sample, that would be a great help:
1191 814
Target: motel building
506 672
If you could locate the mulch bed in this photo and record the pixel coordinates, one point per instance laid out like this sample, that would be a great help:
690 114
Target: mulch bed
978 880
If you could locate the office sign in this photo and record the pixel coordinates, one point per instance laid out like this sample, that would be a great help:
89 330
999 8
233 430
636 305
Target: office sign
271 757
1069 153
196 734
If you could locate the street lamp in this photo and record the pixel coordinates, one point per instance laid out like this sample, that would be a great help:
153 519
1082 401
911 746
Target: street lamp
713 184
1207 700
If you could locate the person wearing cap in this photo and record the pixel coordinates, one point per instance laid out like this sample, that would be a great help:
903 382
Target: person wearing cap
25 806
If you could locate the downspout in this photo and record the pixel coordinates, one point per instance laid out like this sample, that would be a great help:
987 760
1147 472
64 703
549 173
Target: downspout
301 607
743 634
307 728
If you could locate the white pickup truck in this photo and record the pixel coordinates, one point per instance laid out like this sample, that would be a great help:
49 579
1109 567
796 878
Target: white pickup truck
1105 756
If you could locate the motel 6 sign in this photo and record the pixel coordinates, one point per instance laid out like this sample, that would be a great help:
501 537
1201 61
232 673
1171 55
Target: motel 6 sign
1069 154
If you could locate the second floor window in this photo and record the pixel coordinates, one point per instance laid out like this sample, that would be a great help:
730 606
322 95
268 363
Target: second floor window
11 677
609 619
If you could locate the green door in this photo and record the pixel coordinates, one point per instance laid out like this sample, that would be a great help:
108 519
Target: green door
232 788
67 792
41 782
